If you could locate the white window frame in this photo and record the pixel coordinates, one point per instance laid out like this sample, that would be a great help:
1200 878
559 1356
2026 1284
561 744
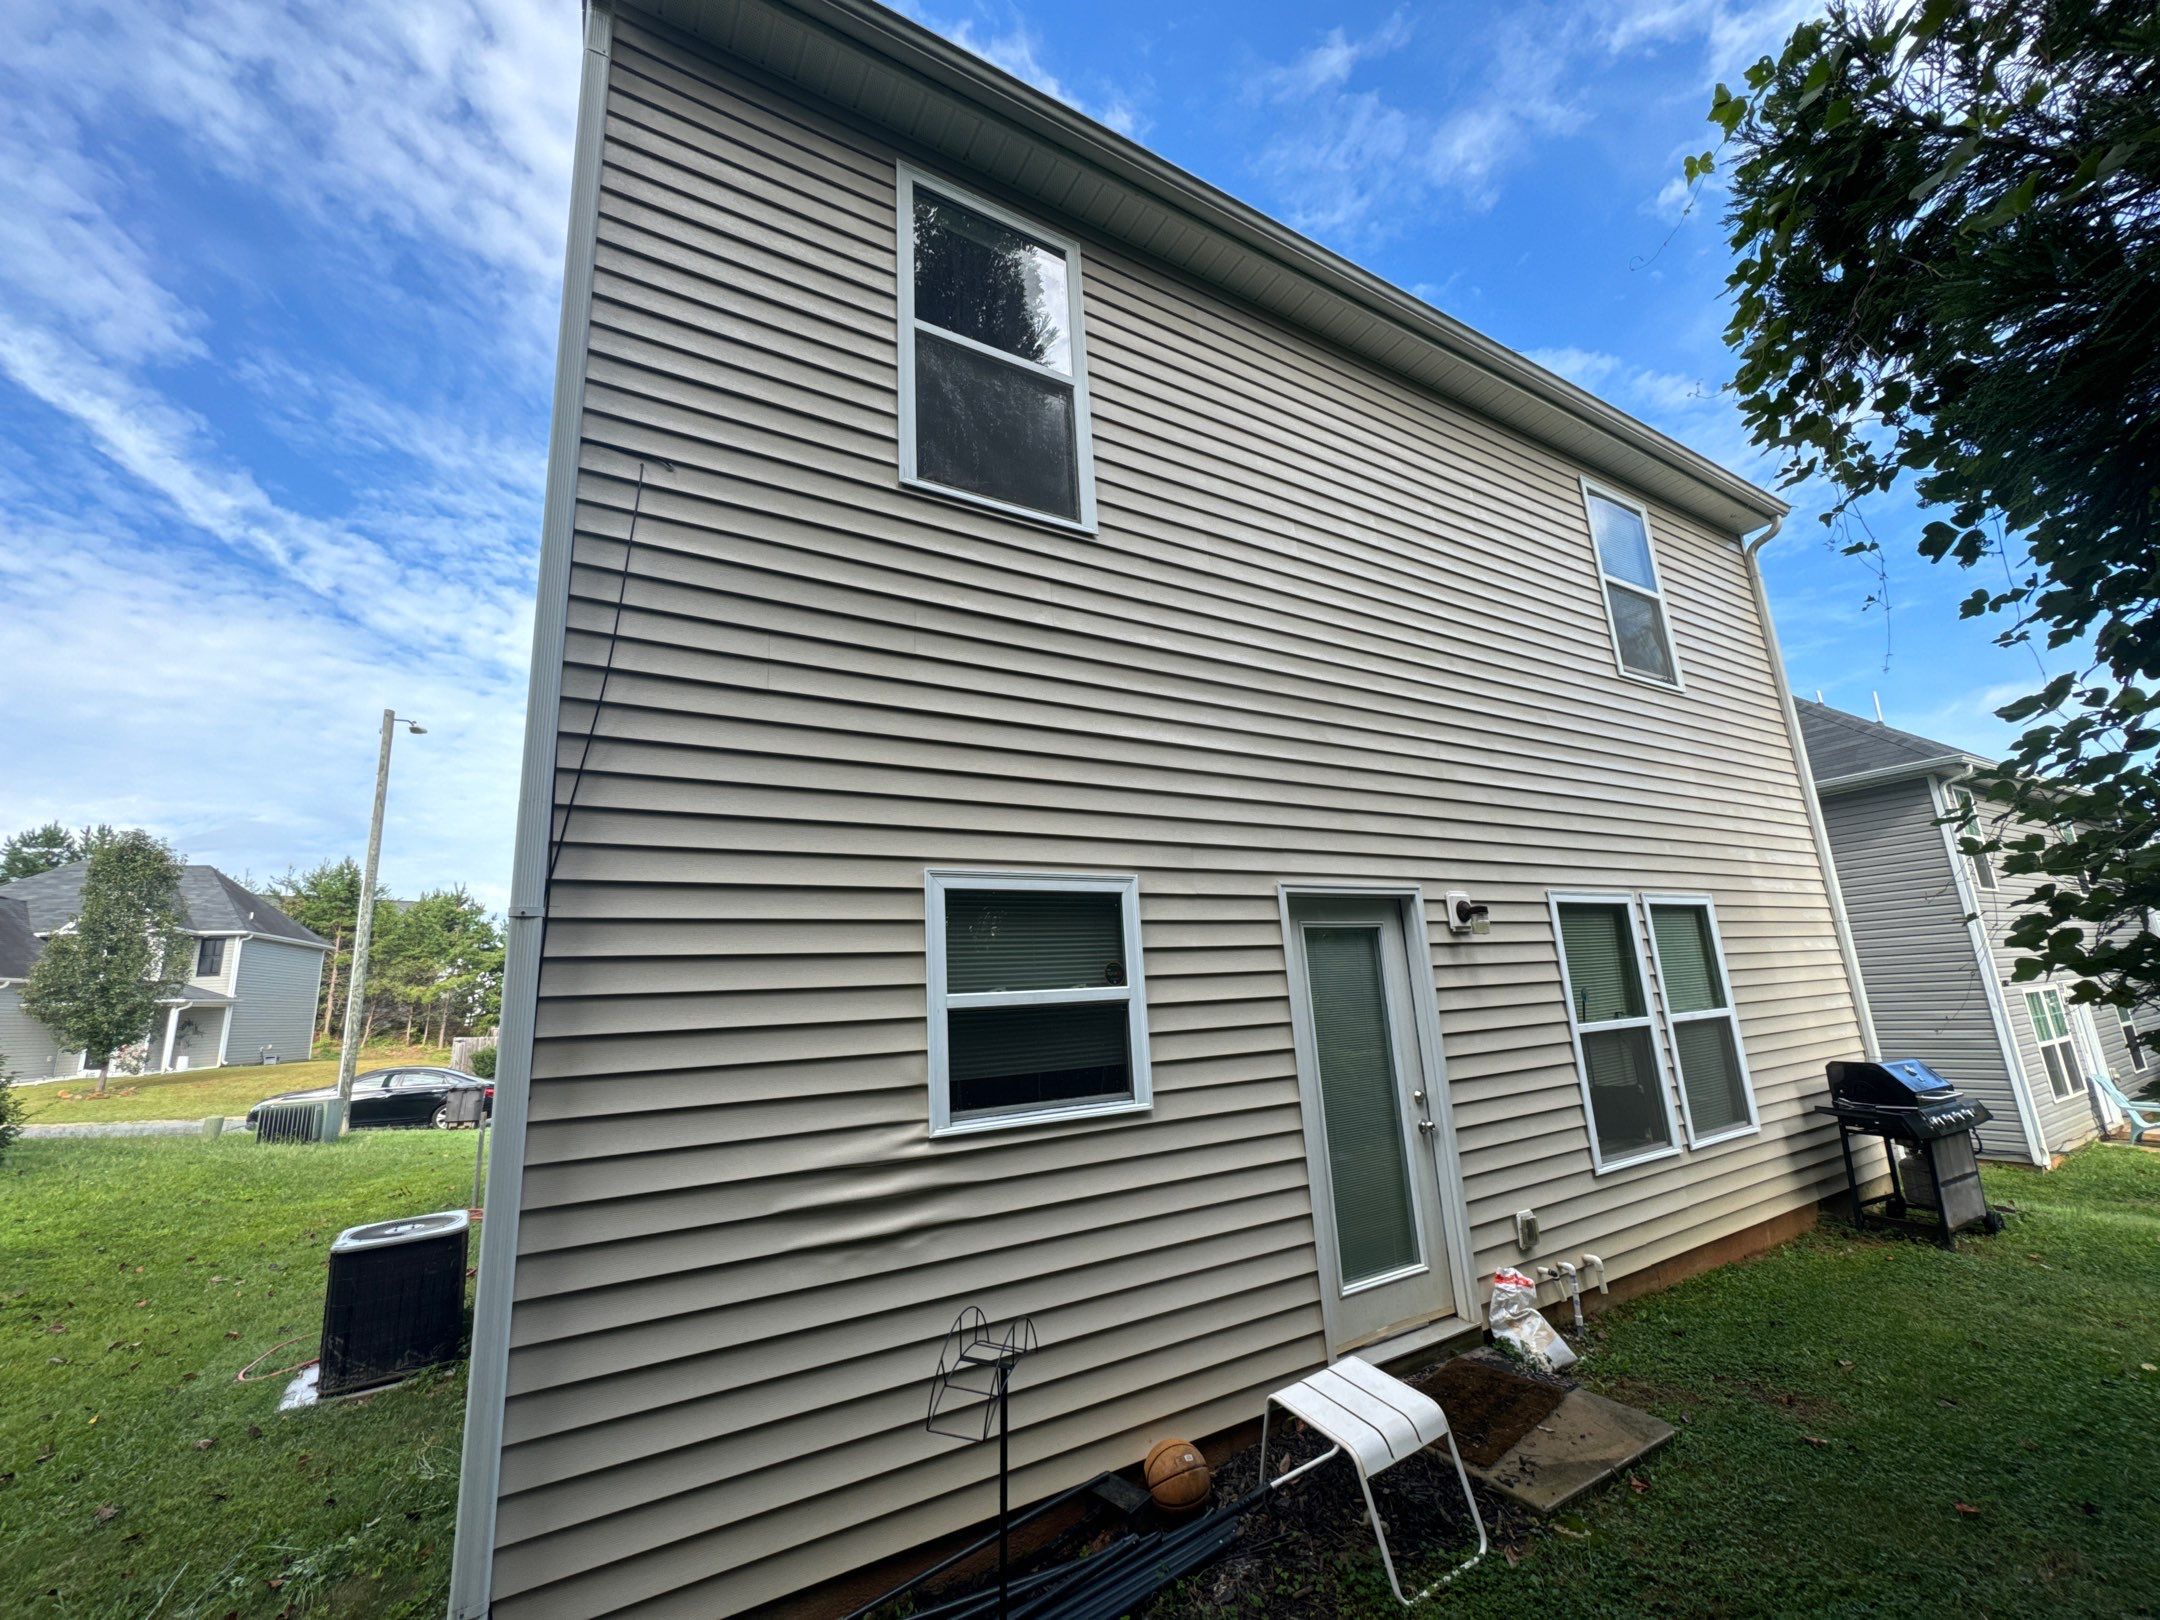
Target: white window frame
941 881
2133 1040
1608 582
1981 866
1083 436
1729 1012
2067 1041
1637 920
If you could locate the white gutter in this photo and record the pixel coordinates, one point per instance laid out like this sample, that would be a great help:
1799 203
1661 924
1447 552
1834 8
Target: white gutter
473 1557
1984 960
1952 764
1840 923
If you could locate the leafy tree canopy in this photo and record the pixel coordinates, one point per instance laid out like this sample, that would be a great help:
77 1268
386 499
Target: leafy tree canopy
97 985
37 849
1947 217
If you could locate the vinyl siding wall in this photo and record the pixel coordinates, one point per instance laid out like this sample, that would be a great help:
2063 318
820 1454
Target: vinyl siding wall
276 985
1926 985
1332 630
28 1050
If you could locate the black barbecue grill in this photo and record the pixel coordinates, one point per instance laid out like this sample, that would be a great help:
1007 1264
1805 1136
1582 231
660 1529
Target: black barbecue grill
1930 1130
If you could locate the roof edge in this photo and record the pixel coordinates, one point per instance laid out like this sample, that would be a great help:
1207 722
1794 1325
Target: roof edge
1941 765
876 28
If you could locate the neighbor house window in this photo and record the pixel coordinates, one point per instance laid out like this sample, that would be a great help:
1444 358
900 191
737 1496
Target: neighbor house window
1642 640
1983 865
1716 1100
2057 1050
2132 1039
1037 1004
993 377
209 958
1616 1050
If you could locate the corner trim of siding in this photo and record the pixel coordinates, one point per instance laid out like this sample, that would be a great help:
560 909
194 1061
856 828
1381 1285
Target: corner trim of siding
1810 795
1984 961
473 1556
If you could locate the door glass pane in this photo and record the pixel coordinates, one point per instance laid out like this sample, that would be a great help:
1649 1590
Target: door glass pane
1692 982
1624 1106
1375 1217
1623 544
1639 623
1710 1070
1005 1059
1601 962
994 429
988 282
1032 939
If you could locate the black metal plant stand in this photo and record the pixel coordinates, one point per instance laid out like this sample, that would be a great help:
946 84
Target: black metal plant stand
976 1363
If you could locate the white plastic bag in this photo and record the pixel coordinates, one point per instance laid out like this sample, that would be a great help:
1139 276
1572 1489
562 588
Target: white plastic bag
1515 1321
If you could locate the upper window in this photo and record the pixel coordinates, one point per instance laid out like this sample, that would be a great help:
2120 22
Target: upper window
2057 1049
1716 1100
209 958
2132 1039
1601 967
1037 1005
1642 641
1983 865
993 378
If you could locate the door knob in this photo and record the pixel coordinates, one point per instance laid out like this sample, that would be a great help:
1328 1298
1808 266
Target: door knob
1427 1125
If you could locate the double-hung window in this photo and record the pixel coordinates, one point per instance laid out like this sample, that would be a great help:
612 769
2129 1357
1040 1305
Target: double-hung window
1634 601
209 958
1983 865
993 369
1716 1100
1616 1048
2057 1049
1038 1009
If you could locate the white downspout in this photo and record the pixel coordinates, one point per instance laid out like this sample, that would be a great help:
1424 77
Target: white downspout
172 1033
1840 923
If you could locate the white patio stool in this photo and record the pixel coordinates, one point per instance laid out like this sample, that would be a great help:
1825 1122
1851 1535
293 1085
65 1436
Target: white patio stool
1376 1421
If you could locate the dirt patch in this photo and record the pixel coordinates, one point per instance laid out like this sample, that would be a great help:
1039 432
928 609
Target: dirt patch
1489 1406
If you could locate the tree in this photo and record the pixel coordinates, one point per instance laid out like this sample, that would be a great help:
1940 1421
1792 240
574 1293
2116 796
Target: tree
98 983
437 962
1947 217
11 1106
38 849
326 898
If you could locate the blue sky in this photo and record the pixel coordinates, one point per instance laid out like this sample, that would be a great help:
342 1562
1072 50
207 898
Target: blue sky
277 295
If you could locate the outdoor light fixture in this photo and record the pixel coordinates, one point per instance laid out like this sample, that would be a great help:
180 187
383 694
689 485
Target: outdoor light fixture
1467 916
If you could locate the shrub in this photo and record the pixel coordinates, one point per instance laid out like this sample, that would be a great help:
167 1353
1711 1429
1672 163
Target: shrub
10 1108
483 1063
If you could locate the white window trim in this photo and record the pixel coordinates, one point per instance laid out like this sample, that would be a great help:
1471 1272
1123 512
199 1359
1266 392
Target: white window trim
1982 867
904 270
1729 1012
940 881
1678 683
2133 1041
2067 1040
1637 920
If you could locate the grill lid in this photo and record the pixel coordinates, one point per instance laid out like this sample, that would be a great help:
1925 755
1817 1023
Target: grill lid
1899 1083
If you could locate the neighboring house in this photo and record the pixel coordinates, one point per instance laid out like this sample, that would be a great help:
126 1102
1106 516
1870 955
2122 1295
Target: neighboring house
1029 654
250 996
1932 927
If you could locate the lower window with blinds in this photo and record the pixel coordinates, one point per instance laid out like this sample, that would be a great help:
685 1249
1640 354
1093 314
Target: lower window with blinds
1616 1023
1038 1008
1716 1100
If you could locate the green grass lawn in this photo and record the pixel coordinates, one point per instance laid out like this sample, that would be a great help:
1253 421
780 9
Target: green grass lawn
1853 1410
194 1095
137 1478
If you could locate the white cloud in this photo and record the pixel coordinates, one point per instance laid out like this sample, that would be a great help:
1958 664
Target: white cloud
1327 65
1013 44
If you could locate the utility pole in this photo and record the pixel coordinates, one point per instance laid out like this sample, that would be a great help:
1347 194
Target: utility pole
364 925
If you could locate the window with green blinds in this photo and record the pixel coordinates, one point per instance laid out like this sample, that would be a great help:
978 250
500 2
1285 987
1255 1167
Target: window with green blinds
1602 977
1375 1215
1699 1020
1710 1075
1032 939
1006 1059
1687 959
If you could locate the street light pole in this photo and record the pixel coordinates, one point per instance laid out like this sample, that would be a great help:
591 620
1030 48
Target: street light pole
364 926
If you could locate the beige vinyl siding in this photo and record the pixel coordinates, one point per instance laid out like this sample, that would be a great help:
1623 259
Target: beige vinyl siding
1926 982
28 1050
1332 631
276 985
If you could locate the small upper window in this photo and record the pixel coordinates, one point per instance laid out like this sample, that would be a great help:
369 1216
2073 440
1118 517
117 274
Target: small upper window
1642 641
209 958
1601 970
1983 864
1037 1009
993 380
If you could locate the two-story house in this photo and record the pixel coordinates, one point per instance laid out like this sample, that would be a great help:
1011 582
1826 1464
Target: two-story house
1932 927
249 995
1089 758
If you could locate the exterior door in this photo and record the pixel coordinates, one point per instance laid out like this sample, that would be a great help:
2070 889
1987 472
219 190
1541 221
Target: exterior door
1377 1199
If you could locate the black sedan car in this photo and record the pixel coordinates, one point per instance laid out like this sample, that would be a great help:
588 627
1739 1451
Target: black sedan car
396 1097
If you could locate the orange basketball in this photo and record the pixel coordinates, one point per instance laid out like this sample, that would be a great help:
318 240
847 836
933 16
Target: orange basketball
1177 1476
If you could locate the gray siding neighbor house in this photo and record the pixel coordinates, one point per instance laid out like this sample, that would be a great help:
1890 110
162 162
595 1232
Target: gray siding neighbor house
1932 929
1089 758
250 996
